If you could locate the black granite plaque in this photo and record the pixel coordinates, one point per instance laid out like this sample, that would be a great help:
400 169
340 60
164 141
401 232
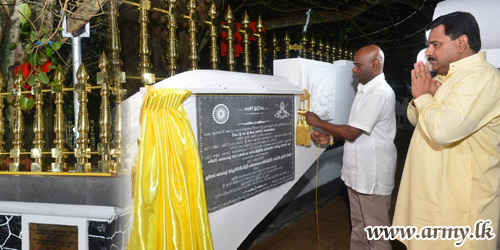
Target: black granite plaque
246 145
53 237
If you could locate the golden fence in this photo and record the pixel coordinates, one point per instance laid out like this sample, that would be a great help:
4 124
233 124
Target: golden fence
111 80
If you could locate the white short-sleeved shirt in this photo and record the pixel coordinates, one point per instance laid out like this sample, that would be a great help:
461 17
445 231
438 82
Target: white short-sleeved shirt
370 160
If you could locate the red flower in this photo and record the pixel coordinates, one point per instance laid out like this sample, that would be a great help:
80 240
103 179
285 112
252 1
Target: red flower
45 67
238 39
27 70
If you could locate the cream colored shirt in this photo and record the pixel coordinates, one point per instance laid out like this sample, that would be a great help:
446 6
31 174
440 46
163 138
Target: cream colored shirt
370 160
452 170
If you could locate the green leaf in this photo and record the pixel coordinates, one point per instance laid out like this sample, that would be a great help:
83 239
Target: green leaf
25 27
56 45
44 31
32 36
33 59
28 48
26 103
24 12
49 51
43 77
31 80
13 46
53 83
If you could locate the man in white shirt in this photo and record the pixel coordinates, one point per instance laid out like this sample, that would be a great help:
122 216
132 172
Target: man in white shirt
369 152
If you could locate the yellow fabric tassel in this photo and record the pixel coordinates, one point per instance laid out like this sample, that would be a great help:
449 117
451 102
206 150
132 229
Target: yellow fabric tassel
170 208
306 134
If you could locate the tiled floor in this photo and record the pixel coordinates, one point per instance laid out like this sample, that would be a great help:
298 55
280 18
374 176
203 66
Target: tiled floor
295 226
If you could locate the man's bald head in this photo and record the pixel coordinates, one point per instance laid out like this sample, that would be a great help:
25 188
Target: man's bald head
368 63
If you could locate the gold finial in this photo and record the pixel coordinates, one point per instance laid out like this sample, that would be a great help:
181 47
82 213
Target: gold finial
246 18
320 49
260 46
214 48
19 79
212 12
82 74
247 61
191 5
276 48
59 77
229 13
313 44
303 50
340 53
103 62
260 25
231 57
327 51
287 45
334 52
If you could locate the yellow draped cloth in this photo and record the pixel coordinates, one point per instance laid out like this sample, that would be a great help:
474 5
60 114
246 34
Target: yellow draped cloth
170 209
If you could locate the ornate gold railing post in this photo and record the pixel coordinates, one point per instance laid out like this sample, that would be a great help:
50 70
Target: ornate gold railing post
351 55
320 49
173 47
114 42
275 46
303 51
346 53
287 45
103 148
119 78
340 53
2 124
261 68
38 129
334 52
144 47
327 51
247 60
82 153
231 57
193 43
18 128
313 45
214 48
59 126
